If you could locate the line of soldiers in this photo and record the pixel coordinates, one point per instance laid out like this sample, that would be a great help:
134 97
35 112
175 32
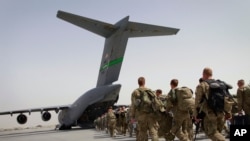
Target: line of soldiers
116 122
166 119
174 122
166 122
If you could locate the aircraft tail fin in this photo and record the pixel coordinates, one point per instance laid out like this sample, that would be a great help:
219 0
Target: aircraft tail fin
113 54
98 27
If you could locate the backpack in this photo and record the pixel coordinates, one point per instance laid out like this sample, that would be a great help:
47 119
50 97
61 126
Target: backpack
185 100
149 102
218 97
163 99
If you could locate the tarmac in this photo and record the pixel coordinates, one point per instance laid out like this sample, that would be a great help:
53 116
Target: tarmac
75 134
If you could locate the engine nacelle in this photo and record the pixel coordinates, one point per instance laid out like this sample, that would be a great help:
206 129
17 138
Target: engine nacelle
22 119
46 116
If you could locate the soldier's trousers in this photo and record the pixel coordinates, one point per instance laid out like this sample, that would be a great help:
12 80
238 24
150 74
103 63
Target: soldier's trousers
179 120
147 122
124 126
111 127
213 125
187 128
165 124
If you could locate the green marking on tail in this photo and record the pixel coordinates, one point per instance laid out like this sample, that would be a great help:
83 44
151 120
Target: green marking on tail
111 63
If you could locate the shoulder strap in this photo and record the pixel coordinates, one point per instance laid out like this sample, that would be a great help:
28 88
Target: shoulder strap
209 81
150 93
141 92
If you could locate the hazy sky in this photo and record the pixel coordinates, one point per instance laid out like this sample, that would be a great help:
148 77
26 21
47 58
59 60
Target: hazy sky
46 61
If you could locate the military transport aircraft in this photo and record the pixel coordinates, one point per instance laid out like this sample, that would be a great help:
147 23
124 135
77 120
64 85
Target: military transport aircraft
92 103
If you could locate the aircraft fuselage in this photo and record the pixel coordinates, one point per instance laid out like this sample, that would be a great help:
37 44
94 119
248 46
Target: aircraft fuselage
102 95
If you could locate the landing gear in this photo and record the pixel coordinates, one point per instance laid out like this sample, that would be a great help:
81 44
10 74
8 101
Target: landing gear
62 127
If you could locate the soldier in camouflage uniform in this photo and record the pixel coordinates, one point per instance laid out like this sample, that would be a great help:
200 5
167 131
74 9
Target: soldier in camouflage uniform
243 97
105 123
212 122
111 122
123 120
102 122
187 127
98 123
179 116
118 121
164 119
145 117
128 122
131 123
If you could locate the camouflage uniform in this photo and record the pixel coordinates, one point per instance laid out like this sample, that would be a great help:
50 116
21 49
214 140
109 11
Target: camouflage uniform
179 117
164 119
123 121
118 121
130 129
145 117
212 124
131 123
98 122
187 128
111 122
102 122
243 98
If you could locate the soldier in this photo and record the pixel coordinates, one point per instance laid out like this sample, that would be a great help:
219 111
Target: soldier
243 96
98 122
119 121
102 122
123 120
130 126
111 122
131 123
143 114
105 122
164 119
179 116
212 122
187 127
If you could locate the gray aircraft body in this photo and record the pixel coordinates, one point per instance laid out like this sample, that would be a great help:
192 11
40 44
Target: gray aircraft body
94 102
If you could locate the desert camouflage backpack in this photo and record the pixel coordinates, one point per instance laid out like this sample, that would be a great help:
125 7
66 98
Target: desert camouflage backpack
185 100
149 102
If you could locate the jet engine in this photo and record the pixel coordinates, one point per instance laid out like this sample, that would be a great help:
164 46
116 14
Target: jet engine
46 116
21 119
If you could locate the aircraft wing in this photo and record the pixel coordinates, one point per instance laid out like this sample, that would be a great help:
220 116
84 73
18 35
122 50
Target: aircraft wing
53 108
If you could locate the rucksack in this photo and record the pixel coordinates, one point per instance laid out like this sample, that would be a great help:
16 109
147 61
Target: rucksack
218 92
185 100
149 102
